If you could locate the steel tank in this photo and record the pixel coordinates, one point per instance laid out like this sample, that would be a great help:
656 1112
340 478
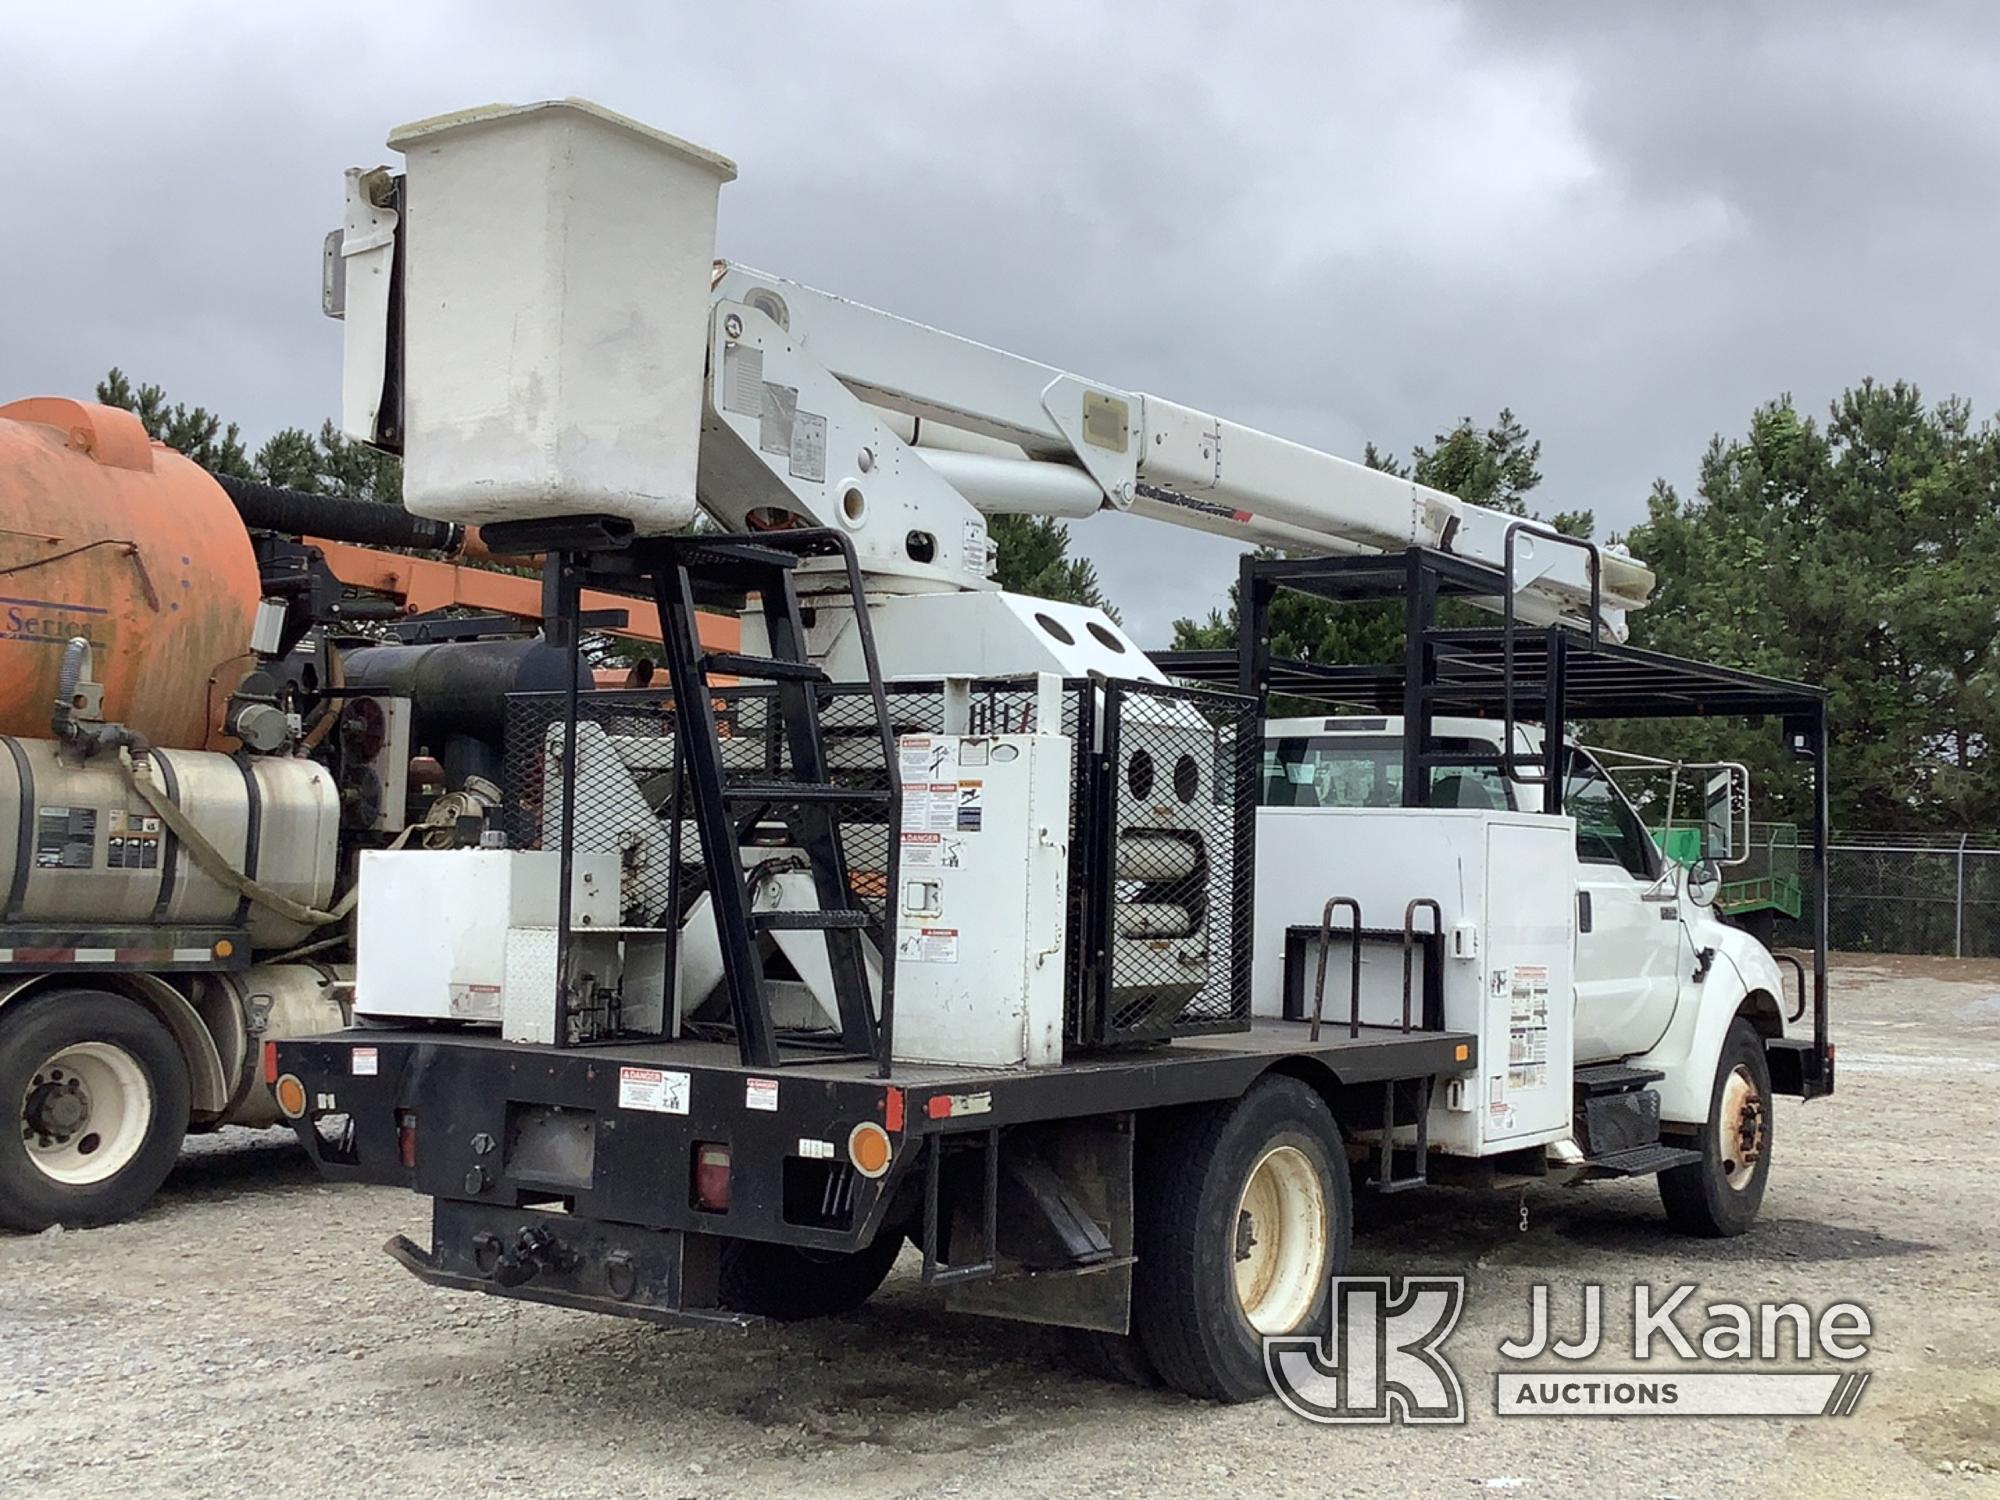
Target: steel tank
78 845
108 535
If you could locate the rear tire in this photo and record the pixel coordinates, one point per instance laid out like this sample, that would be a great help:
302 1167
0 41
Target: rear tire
94 1096
788 1285
1244 1217
1718 1196
1116 1357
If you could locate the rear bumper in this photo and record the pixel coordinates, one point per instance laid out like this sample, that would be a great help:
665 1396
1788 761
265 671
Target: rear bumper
661 1275
595 1137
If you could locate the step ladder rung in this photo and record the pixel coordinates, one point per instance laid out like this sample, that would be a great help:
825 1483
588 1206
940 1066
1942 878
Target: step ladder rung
809 921
731 552
815 792
769 668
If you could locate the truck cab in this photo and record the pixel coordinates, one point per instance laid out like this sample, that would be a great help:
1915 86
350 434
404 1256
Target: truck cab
1644 946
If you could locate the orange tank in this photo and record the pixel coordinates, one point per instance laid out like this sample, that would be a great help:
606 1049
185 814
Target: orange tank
111 536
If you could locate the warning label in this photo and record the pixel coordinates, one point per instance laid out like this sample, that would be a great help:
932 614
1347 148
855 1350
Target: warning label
931 807
930 851
926 757
65 838
1528 1026
131 841
475 1002
927 945
761 1093
660 1091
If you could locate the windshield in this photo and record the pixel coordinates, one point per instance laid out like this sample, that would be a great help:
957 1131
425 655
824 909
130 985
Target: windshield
1361 770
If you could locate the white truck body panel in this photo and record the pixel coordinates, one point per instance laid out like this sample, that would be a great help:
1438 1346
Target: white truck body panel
432 933
983 899
1508 877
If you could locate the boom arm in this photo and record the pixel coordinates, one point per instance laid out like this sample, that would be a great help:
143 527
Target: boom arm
996 433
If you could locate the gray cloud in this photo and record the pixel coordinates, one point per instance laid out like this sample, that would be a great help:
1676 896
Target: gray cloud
1630 223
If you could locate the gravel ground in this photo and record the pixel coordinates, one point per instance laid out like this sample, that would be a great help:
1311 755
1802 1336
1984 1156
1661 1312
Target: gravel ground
247 1337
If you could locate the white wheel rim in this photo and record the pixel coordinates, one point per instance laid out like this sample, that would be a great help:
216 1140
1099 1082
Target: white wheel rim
85 1113
1280 1241
1740 1129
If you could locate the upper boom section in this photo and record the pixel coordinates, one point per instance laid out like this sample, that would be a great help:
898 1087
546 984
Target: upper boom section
532 334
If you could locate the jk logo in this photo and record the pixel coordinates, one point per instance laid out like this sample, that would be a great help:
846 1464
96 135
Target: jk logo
1380 1361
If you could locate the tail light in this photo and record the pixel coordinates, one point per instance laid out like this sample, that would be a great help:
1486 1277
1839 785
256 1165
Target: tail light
406 1138
270 1062
711 1177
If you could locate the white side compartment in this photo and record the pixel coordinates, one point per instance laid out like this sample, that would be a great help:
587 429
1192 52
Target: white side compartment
982 909
557 260
432 927
1505 883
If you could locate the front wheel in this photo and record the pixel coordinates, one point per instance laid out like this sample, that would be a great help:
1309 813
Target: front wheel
97 1095
1244 1218
1718 1196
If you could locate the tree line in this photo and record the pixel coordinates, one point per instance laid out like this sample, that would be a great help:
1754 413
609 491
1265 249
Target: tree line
1855 551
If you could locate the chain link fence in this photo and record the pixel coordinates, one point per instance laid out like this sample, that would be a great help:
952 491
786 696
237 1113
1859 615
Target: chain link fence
1887 892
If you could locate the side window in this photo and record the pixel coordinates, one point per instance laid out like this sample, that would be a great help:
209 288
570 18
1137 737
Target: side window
1608 832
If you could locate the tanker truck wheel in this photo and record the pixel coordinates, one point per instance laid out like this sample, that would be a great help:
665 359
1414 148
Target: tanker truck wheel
95 1095
1719 1196
1244 1218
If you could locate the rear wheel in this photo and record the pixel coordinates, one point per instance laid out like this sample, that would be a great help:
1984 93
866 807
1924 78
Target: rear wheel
788 1284
1719 1196
97 1095
1116 1357
1245 1215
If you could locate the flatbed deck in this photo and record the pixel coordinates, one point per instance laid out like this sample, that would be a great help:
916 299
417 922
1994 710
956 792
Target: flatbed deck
1185 1070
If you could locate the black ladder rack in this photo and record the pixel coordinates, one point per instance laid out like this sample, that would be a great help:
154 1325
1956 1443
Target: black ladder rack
816 812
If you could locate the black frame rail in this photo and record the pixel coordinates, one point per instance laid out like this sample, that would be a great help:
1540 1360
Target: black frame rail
1551 674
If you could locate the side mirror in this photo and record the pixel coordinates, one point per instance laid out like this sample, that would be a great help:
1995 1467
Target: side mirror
1704 882
1726 815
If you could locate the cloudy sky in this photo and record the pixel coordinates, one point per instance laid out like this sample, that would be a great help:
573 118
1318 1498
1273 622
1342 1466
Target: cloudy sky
1630 223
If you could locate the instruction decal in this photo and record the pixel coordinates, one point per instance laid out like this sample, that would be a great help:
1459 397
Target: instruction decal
931 851
474 1002
131 840
65 838
927 945
660 1091
1528 1026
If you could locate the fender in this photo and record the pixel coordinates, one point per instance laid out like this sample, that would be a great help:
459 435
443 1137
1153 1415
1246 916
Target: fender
208 1094
1743 973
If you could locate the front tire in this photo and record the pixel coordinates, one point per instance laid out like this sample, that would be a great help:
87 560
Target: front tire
95 1095
1244 1217
1718 1196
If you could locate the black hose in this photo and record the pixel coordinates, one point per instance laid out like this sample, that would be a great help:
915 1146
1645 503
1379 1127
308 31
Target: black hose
366 523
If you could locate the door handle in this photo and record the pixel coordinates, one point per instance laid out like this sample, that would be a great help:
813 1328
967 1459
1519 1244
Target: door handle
1583 911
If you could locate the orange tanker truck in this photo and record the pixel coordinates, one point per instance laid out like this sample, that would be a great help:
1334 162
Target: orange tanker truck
213 693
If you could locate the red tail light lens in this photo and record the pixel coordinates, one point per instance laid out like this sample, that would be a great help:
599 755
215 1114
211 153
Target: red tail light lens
406 1137
711 1177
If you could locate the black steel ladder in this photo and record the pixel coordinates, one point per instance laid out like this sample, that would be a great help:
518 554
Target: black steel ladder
818 812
